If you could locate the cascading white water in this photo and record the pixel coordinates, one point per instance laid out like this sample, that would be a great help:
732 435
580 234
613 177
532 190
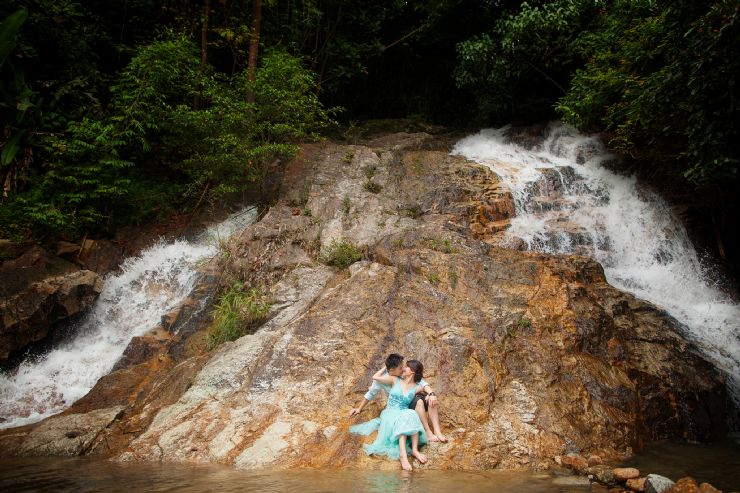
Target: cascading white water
131 303
567 201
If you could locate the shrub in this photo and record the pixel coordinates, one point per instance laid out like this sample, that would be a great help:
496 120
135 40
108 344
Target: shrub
237 313
372 187
341 254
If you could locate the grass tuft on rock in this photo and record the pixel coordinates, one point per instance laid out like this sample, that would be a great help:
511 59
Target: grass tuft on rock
239 311
340 254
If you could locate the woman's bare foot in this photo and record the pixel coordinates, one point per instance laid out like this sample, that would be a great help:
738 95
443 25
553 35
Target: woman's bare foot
405 464
419 456
431 437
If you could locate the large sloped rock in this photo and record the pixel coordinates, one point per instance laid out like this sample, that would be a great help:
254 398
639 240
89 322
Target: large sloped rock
535 357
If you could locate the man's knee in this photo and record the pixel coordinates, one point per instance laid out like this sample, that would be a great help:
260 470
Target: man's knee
420 407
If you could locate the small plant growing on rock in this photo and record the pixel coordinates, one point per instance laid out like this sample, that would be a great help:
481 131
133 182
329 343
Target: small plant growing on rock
413 211
398 244
346 205
523 323
372 187
370 172
452 275
238 312
341 254
433 278
348 157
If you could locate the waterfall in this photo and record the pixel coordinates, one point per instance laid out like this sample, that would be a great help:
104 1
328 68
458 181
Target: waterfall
131 303
568 201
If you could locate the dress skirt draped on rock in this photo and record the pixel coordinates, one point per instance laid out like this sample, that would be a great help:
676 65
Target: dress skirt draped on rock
395 420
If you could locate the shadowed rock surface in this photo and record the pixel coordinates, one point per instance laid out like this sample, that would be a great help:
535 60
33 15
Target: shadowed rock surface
37 292
534 356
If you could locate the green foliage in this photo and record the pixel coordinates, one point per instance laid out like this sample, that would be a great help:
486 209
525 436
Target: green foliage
346 205
100 172
444 246
340 254
237 313
661 77
452 275
523 323
372 187
524 63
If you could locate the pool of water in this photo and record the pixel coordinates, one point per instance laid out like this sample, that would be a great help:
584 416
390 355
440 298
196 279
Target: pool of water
86 475
715 463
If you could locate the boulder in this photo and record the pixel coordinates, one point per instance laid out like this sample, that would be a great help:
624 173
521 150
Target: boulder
575 462
625 473
532 356
636 484
32 314
655 483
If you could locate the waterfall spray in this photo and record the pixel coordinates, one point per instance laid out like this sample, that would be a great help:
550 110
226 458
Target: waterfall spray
567 201
131 303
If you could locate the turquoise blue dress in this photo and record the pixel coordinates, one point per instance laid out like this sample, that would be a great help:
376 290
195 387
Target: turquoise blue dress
395 420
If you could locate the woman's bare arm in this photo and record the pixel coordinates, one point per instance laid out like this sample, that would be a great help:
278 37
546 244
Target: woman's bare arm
386 379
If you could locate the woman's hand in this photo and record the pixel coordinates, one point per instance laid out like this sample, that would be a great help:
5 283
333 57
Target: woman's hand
382 377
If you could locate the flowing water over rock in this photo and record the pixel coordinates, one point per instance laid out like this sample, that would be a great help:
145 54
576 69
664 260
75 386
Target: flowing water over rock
131 303
568 201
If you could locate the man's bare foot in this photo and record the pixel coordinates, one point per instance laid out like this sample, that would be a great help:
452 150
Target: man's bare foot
405 464
441 438
419 456
431 437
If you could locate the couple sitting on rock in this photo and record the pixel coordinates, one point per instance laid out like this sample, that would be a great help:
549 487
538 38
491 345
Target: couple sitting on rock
411 404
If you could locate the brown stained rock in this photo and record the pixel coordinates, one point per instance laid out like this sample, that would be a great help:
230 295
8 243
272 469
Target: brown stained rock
636 484
594 460
601 473
708 488
575 462
64 435
625 473
31 314
532 356
684 485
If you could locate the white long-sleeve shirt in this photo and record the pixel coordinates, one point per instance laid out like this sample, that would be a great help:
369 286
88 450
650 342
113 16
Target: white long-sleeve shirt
376 387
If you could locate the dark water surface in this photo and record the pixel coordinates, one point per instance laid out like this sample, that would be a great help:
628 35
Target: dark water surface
714 463
87 475
718 464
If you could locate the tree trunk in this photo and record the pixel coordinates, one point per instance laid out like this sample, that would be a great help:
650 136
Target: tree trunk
197 103
254 43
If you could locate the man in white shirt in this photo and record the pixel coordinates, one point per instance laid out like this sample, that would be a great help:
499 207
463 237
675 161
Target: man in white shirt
426 406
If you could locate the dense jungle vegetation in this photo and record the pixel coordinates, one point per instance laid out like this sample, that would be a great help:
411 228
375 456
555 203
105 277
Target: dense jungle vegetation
116 112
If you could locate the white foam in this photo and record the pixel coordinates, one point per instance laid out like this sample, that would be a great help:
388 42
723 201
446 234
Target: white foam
131 303
643 247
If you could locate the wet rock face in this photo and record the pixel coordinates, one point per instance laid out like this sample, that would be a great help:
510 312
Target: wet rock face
37 292
535 358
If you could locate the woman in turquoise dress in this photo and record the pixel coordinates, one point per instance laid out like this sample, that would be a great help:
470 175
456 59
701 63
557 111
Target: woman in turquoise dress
397 422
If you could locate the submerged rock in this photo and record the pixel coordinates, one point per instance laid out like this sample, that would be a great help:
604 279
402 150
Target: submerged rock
533 356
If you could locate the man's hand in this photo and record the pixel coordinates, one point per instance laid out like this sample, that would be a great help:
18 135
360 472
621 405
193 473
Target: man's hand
354 411
432 400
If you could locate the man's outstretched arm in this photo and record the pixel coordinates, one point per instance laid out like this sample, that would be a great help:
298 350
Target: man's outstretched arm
370 395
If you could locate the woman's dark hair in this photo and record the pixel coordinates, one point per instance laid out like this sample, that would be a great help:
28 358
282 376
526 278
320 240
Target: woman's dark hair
393 360
417 368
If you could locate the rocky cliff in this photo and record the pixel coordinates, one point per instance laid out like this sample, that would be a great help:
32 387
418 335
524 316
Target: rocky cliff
534 357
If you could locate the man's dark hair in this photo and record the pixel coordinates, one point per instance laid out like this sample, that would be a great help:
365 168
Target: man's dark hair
393 360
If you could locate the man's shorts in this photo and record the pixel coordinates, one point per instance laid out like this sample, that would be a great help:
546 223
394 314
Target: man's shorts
419 395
